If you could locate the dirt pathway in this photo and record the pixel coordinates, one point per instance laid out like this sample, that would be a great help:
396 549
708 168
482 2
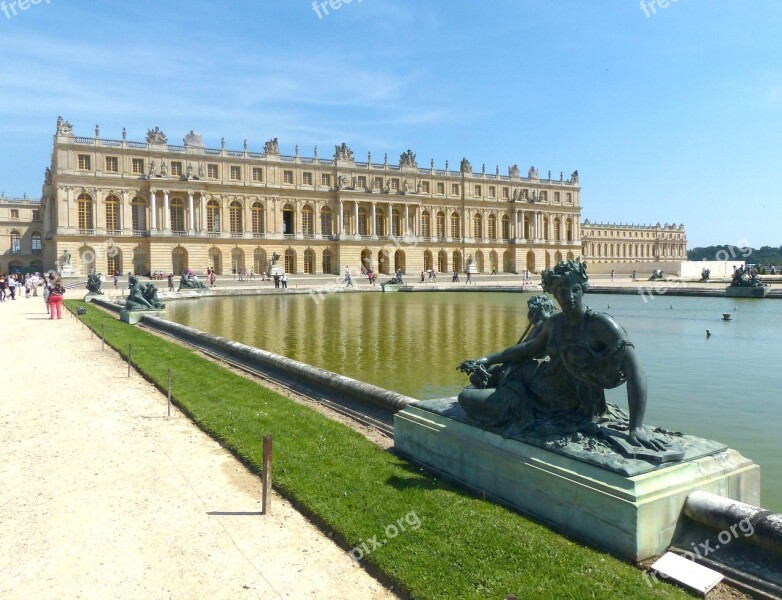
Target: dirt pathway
103 496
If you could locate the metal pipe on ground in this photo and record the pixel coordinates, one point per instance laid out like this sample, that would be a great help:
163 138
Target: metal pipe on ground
725 514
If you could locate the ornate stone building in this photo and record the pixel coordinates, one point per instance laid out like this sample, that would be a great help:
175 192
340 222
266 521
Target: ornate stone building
614 243
154 206
21 225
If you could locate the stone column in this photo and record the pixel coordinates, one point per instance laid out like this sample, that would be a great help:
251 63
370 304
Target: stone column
374 221
407 220
355 217
316 227
202 203
419 233
389 218
166 213
190 215
341 224
152 211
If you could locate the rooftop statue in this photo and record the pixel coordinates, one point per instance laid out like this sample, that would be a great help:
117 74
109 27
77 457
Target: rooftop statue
63 127
271 147
407 159
156 136
550 386
514 172
532 173
94 283
465 166
343 152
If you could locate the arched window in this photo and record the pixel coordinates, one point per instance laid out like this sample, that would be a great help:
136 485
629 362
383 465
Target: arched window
258 223
363 221
16 242
138 208
442 261
235 218
309 261
113 260
545 231
427 260
216 260
440 225
84 204
177 210
237 260
259 260
290 261
327 261
557 230
477 227
36 242
308 226
213 216
569 230
179 260
426 229
492 227
112 214
505 229
380 222
325 224
456 232
396 223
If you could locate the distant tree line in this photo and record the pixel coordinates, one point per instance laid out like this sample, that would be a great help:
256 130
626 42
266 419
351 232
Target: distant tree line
765 256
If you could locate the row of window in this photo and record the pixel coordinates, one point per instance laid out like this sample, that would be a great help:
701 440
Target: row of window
377 183
603 250
14 214
16 242
631 234
257 212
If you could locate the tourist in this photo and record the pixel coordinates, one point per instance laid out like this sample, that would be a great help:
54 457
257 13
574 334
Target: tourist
284 281
170 282
276 281
589 352
399 275
422 277
348 279
55 297
252 273
469 277
634 275
455 276
612 274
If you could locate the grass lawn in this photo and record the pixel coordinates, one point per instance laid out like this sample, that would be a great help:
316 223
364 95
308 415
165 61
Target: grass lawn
440 542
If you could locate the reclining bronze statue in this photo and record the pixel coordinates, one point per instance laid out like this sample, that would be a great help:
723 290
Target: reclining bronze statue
94 283
142 298
551 383
190 282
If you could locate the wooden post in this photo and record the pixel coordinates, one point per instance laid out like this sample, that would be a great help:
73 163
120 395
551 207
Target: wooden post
130 348
168 413
266 475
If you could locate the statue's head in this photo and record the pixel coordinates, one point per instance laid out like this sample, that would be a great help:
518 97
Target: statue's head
540 308
570 272
133 280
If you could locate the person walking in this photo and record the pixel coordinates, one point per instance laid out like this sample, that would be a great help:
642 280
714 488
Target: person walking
612 274
55 297
284 281
116 279
170 282
469 277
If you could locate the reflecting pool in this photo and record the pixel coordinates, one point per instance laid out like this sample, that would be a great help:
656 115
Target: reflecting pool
725 387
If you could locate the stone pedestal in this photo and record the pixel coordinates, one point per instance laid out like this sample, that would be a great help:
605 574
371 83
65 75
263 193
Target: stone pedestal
633 517
91 296
471 268
68 271
276 270
134 316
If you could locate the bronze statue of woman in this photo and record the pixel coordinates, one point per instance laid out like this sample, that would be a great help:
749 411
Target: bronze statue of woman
587 353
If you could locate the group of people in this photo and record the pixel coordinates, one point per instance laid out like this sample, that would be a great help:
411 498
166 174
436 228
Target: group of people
12 285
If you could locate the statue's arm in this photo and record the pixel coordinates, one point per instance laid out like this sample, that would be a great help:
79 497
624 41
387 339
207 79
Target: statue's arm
636 388
523 351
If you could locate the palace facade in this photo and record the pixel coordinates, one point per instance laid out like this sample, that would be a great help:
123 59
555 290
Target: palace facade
21 224
615 243
120 205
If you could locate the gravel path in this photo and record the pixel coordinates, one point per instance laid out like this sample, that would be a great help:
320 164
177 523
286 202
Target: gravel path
102 496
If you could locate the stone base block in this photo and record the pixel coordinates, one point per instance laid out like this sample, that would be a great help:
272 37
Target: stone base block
134 316
90 297
633 517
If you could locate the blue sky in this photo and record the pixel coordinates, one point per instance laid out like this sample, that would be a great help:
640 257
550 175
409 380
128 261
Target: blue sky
670 117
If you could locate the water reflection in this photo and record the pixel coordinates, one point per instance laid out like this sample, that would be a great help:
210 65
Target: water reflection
722 388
